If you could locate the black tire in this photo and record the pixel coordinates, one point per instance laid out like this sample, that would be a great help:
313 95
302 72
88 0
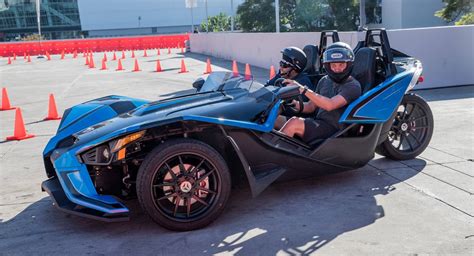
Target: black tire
172 195
411 130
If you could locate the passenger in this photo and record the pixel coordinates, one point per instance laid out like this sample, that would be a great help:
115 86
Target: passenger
292 63
334 92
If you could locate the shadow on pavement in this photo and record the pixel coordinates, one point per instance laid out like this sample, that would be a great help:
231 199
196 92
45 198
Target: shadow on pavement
295 217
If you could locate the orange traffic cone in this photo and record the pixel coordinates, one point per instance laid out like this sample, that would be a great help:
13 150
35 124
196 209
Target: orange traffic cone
5 101
272 72
248 74
158 51
208 66
14 56
52 110
169 50
20 132
105 56
145 54
119 65
104 65
123 54
62 55
91 61
235 69
133 54
136 68
158 66
114 57
183 67
87 60
29 58
9 61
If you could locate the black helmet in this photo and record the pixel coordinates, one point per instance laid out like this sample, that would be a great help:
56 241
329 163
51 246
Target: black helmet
338 52
294 57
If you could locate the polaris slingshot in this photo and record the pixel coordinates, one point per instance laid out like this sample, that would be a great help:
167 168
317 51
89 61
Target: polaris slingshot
179 156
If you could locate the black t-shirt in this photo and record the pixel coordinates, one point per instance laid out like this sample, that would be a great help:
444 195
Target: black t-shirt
349 89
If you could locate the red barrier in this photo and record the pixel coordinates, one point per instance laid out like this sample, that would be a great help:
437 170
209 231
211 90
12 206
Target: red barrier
95 45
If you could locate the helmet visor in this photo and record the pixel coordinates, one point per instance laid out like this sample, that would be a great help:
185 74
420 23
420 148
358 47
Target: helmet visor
338 55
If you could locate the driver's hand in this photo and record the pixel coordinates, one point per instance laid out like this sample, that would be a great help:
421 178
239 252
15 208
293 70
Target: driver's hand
289 82
294 104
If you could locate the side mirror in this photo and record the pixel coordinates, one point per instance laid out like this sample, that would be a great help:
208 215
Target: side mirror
199 83
288 92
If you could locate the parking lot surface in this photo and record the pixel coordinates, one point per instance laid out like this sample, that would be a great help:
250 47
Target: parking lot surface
420 206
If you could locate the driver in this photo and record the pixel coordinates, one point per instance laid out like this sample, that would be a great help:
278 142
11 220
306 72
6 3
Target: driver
292 63
334 91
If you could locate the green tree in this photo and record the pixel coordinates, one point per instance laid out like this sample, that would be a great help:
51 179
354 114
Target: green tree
218 23
259 15
457 9
299 15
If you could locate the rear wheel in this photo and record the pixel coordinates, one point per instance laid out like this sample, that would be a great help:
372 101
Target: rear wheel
411 130
183 184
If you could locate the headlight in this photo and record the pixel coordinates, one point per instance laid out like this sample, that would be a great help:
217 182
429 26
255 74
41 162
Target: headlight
103 154
97 155
124 141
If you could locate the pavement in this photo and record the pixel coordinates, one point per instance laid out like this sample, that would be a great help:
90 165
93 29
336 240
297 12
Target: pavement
421 206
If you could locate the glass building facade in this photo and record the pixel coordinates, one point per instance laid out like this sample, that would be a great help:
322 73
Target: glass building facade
59 19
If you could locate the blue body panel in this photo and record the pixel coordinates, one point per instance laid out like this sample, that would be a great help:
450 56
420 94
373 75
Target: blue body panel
378 104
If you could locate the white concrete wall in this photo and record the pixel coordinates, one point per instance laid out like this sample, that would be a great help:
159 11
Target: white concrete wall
447 53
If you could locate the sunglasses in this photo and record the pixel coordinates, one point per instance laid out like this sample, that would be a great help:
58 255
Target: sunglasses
285 64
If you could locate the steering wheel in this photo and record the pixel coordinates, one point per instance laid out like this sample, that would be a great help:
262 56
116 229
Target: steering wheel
288 108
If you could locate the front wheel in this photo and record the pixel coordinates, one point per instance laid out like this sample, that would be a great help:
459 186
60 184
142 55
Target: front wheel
411 130
183 184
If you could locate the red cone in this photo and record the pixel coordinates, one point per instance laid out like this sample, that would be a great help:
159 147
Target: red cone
87 60
104 65
158 51
136 67
20 132
183 67
272 72
5 101
248 74
91 61
74 56
105 56
119 65
14 56
62 55
208 66
123 54
158 66
52 110
48 56
169 50
145 54
235 69
133 54
29 58
9 61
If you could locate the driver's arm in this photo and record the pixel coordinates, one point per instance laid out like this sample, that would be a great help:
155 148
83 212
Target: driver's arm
317 100
325 103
